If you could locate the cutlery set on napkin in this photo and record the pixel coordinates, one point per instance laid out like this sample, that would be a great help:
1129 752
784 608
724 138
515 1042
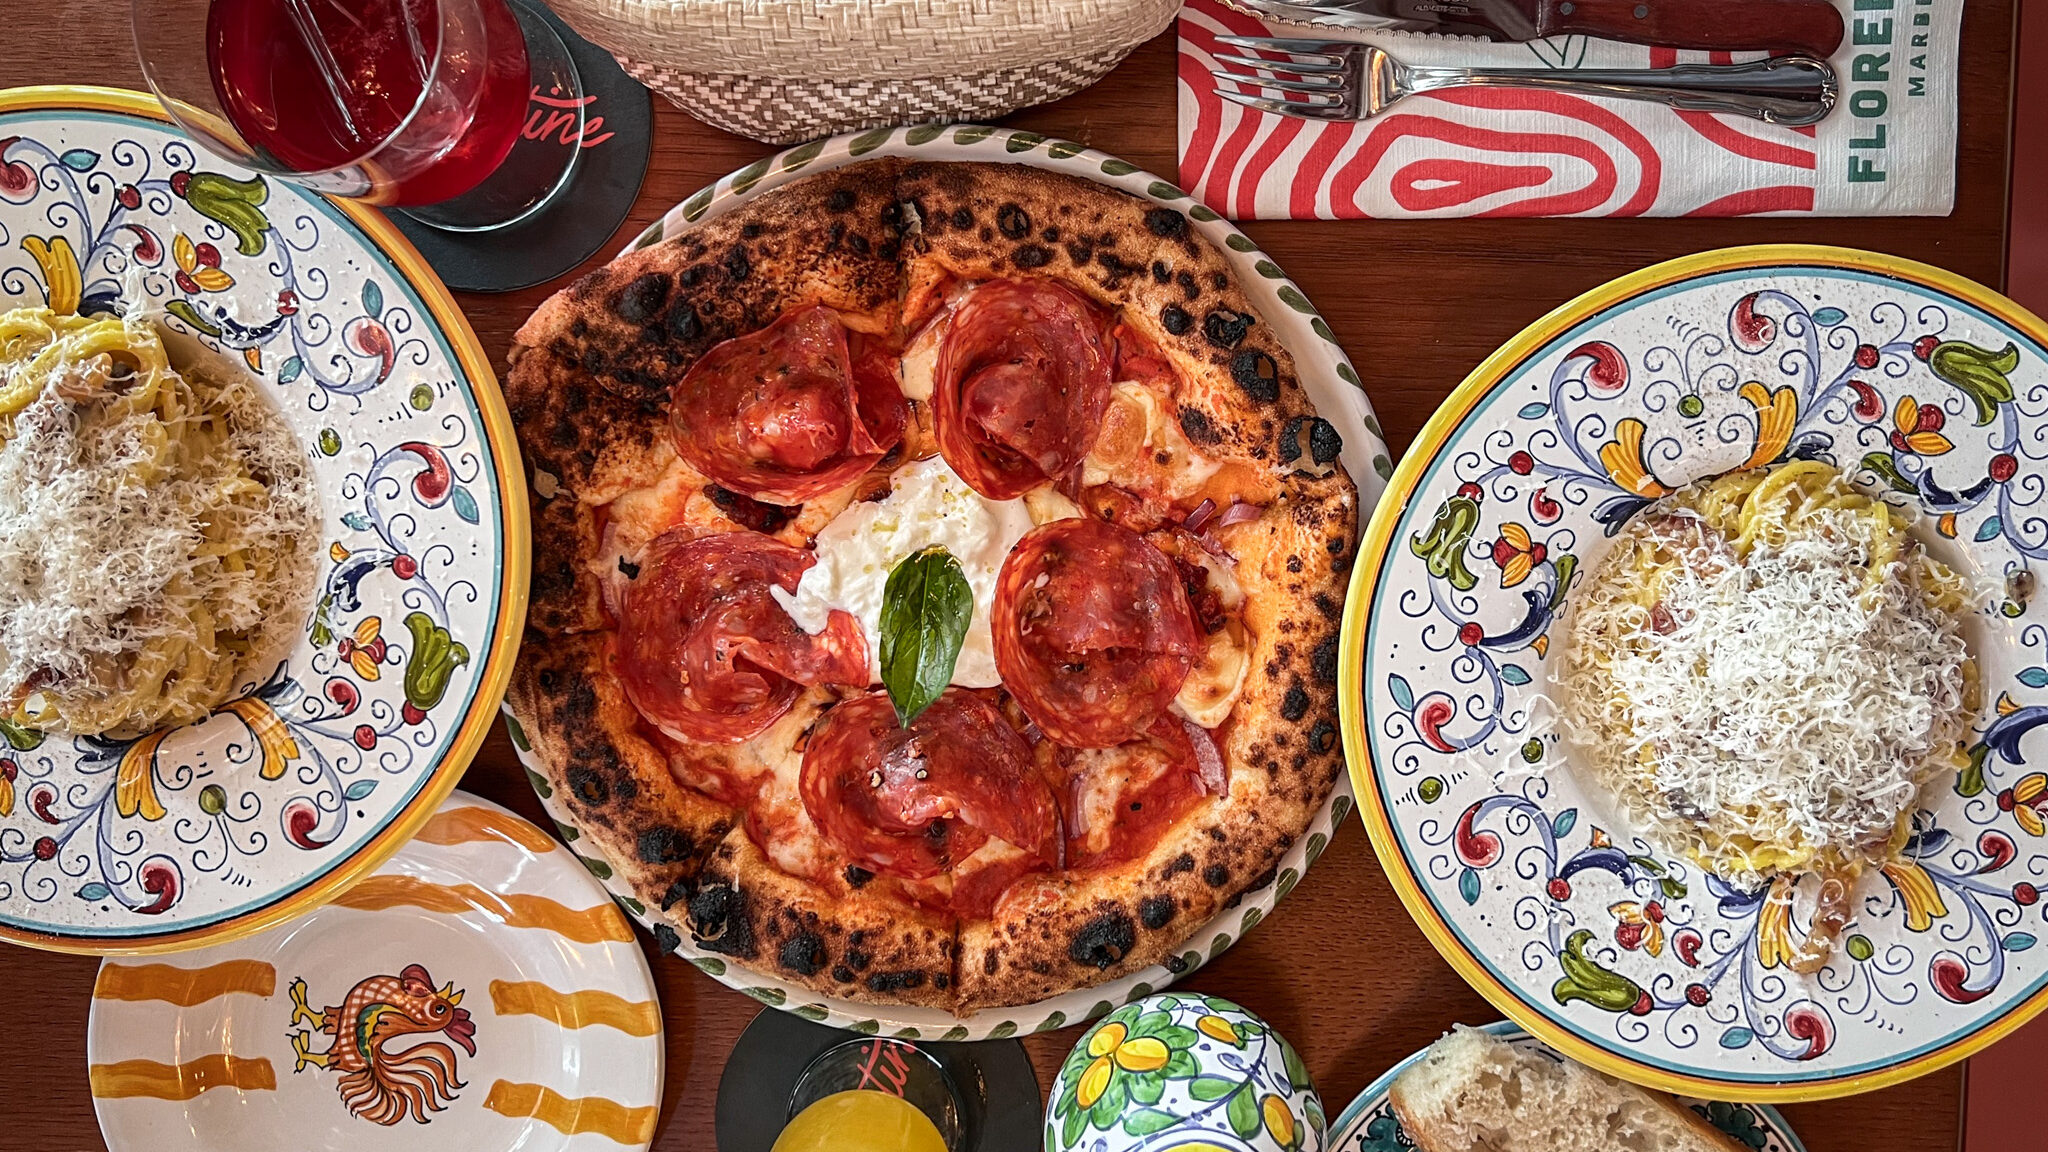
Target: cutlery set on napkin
1569 107
1812 27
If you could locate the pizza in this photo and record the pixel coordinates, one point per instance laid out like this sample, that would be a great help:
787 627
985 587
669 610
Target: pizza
1052 406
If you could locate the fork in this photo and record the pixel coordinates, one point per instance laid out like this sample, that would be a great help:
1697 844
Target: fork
1346 80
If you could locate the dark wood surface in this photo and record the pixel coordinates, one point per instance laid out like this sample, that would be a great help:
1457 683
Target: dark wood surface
1340 968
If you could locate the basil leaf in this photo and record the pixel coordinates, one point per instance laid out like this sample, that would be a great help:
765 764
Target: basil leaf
926 607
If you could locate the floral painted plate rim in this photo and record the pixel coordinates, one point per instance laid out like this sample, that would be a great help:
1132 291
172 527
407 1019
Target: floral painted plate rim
1446 430
1349 1132
1340 398
378 239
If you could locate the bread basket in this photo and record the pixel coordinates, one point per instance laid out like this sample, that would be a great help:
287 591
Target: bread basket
790 70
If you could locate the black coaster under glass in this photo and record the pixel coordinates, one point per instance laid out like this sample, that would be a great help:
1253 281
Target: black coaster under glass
615 139
981 1095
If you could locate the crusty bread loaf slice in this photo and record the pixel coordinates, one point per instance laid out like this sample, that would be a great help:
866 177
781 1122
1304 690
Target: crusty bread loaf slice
1473 1092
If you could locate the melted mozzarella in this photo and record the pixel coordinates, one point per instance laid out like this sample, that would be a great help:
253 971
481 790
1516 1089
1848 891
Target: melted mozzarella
1141 435
792 842
927 504
1048 504
1100 779
920 360
1217 679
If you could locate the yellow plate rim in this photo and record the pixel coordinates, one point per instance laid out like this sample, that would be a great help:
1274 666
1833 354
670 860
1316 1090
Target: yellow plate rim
516 562
1372 554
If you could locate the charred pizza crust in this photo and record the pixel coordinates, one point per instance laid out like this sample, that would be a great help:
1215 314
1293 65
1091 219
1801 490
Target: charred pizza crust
878 241
976 222
855 942
591 368
616 785
693 859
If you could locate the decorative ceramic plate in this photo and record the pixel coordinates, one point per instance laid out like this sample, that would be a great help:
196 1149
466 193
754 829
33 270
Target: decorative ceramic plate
1332 385
1932 393
1369 1124
325 764
479 991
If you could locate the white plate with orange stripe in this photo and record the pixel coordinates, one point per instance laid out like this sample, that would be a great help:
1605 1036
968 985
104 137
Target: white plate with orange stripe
479 991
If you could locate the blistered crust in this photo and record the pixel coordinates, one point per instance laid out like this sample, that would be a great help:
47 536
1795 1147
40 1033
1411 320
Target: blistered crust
856 943
615 784
592 367
1148 261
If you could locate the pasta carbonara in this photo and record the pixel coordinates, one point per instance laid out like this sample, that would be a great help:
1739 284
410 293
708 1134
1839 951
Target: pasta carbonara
1764 672
155 528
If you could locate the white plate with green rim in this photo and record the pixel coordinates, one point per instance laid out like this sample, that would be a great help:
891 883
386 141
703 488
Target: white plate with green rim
1332 385
480 991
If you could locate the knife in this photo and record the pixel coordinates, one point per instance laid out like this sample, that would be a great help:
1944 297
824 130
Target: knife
1808 27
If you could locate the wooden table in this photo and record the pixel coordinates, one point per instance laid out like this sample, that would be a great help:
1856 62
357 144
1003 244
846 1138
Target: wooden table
1340 969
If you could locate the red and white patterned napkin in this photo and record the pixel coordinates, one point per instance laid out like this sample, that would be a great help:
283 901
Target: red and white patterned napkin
1888 150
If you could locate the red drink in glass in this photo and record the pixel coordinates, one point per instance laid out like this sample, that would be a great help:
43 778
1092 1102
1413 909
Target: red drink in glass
424 97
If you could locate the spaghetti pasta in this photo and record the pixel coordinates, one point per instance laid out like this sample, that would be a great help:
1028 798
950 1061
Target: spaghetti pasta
156 528
1764 672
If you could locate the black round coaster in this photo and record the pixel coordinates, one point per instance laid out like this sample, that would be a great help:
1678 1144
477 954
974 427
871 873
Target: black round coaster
617 138
991 1082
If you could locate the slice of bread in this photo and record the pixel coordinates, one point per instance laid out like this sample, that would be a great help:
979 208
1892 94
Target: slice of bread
1473 1092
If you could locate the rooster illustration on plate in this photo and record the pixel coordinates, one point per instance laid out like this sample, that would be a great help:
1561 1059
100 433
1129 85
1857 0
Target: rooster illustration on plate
378 1085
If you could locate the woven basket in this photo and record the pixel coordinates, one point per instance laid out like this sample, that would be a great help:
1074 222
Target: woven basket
790 70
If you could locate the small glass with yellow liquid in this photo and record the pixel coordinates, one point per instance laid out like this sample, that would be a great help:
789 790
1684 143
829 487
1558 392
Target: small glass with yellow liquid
874 1095
861 1120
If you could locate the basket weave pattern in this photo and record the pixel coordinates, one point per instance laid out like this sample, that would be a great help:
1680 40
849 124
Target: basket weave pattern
788 111
789 70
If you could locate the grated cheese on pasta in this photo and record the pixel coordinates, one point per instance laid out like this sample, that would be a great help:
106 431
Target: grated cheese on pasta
155 529
1765 671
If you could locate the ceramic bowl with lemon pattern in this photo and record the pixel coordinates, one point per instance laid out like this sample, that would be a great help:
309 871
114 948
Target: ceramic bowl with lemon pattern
1184 1071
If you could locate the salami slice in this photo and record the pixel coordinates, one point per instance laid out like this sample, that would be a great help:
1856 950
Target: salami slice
780 415
912 801
706 653
1092 631
1020 387
1116 808
978 886
1138 359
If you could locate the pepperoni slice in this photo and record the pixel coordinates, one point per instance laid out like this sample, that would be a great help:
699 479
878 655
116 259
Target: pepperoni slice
1156 779
780 415
911 801
977 891
1020 387
1138 359
1092 630
704 650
